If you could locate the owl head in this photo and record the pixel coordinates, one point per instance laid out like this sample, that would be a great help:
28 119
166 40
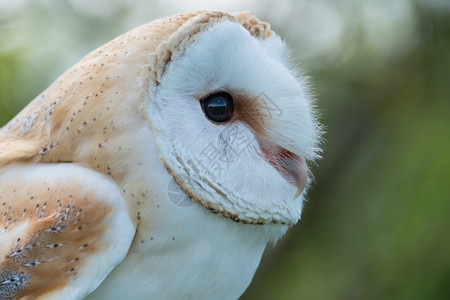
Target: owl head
232 118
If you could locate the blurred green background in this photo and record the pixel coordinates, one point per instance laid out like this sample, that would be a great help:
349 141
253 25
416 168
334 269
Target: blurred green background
377 223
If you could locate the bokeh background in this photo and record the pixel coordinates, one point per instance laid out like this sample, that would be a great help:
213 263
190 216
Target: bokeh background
377 223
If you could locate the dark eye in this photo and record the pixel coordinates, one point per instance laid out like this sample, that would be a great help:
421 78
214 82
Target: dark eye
218 107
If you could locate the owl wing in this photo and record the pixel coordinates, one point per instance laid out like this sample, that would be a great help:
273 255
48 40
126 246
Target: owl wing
63 228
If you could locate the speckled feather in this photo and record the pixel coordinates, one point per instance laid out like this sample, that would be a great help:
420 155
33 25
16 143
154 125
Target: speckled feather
53 224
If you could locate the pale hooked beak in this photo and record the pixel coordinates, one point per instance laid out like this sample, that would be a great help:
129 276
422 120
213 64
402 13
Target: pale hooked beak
291 166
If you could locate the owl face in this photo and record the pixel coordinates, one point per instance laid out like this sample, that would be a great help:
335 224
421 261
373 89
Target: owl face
233 122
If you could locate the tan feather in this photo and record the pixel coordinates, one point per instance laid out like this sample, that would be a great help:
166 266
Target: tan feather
51 223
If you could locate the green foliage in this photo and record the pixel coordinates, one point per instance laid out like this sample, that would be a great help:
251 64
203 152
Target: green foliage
8 96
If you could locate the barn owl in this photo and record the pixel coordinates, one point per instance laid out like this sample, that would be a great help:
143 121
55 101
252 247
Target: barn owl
203 105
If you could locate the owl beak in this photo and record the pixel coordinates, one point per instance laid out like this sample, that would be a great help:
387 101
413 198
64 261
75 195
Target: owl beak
291 166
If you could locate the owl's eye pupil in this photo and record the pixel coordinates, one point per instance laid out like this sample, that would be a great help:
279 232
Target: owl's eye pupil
218 107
